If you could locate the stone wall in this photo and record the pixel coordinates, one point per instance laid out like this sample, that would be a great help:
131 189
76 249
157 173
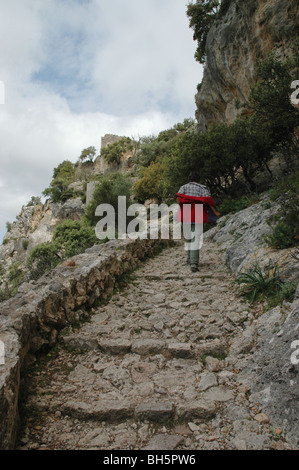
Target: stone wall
32 320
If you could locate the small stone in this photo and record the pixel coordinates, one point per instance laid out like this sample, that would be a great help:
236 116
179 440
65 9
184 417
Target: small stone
158 299
212 364
239 444
194 427
261 418
159 326
202 409
219 394
207 380
163 442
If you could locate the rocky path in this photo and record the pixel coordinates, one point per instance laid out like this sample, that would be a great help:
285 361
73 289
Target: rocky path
157 367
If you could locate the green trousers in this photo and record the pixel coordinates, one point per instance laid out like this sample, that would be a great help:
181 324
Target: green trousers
192 234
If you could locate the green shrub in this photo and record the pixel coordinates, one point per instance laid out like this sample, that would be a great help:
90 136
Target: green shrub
88 154
150 184
25 244
259 285
43 258
70 238
113 152
63 175
237 204
108 189
8 226
283 236
285 225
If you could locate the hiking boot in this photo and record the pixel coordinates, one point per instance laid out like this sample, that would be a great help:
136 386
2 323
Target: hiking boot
194 268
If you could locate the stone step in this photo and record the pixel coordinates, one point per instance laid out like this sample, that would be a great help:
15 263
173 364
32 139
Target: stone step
148 346
155 411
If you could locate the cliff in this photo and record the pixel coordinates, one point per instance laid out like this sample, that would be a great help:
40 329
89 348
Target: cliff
247 32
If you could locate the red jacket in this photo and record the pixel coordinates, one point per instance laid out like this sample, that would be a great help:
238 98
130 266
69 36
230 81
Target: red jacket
189 216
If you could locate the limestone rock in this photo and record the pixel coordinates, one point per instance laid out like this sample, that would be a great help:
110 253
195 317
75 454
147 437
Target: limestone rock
246 32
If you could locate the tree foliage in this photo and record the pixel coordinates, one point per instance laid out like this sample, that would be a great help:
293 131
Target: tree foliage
202 15
113 152
87 154
270 102
150 185
62 176
109 187
228 157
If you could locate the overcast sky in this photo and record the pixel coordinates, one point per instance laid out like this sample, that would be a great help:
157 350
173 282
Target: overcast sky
72 71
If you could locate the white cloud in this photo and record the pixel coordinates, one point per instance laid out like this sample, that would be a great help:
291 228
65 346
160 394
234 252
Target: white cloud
76 70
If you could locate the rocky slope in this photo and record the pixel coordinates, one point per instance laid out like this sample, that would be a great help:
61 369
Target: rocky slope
248 31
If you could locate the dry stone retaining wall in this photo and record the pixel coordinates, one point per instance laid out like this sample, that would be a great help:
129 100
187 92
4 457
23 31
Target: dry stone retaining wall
33 318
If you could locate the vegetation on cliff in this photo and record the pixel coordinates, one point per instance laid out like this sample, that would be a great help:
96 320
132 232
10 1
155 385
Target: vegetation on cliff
202 14
228 157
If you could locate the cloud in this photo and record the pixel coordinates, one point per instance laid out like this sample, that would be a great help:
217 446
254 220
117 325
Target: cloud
78 69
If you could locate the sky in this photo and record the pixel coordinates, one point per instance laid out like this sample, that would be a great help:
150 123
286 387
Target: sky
72 71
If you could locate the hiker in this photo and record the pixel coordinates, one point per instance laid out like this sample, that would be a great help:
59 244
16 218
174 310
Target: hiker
192 194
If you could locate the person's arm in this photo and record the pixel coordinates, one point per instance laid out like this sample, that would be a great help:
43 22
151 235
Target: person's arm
215 211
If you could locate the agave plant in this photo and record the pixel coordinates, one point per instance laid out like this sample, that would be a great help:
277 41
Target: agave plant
257 283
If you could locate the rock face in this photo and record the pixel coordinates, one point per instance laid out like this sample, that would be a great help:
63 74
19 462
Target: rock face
34 225
241 237
248 31
272 369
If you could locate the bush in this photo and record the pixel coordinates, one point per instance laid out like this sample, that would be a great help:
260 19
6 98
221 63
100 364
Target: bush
63 175
150 185
43 258
285 225
88 154
70 238
108 189
265 285
113 152
283 236
73 238
237 204
270 99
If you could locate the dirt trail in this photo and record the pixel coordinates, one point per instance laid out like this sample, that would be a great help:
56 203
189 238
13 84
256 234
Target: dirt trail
155 368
